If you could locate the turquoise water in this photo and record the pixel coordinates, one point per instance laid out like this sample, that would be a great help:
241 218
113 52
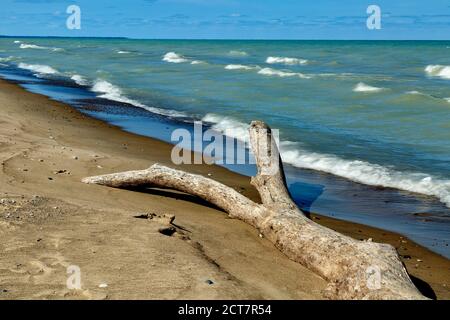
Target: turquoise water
375 113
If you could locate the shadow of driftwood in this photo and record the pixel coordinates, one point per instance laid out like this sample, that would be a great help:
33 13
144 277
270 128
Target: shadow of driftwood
423 287
170 193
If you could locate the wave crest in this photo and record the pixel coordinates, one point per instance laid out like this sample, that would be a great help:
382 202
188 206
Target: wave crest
356 170
239 67
368 173
286 61
362 87
40 69
173 57
79 80
111 92
33 46
439 71
30 46
232 127
282 74
198 62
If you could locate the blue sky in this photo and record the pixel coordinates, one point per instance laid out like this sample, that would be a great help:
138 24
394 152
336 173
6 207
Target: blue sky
229 19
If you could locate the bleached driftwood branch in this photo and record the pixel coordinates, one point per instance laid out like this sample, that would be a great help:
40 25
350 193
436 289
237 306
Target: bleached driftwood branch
354 269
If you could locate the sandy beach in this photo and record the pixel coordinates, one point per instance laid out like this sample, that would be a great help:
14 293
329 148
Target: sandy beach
49 221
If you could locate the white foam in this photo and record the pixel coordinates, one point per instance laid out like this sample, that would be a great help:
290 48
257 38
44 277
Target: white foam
362 87
239 67
123 52
33 46
367 173
17 41
172 57
238 53
228 125
286 61
38 68
79 80
111 92
438 71
415 92
30 46
447 99
282 74
198 62
355 170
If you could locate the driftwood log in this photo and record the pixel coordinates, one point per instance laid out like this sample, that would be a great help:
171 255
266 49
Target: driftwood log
353 269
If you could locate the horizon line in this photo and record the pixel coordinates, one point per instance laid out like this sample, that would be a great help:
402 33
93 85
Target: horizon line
214 39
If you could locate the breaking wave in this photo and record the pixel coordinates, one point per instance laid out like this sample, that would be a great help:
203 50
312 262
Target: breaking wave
33 46
282 74
368 173
80 80
198 62
40 69
240 67
109 91
362 87
286 61
172 57
356 170
440 71
228 125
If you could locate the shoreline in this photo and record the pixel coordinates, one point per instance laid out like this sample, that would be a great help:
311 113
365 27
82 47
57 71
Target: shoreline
84 138
419 217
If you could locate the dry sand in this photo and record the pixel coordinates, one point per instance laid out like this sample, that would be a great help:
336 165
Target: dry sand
49 220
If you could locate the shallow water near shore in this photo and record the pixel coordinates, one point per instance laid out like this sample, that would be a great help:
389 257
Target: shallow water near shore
423 218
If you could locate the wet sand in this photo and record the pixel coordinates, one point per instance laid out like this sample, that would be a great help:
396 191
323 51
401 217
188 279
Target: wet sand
49 220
